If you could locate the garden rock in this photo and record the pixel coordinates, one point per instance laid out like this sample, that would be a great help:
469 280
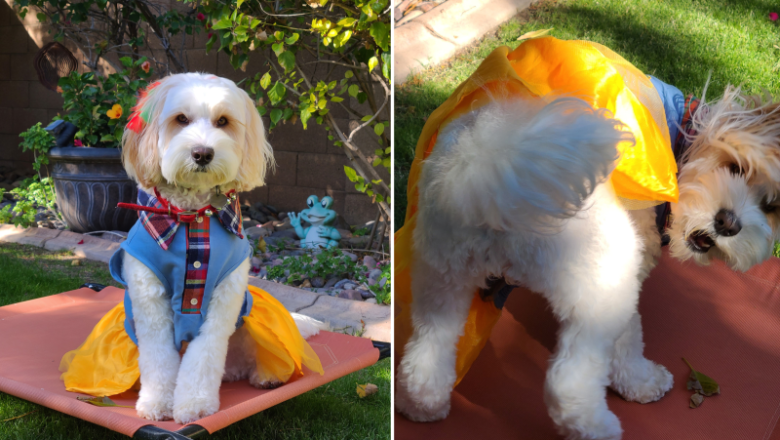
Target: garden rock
369 262
358 242
282 224
351 294
248 223
351 256
344 233
317 282
382 282
340 284
349 286
278 261
375 274
371 301
371 282
285 233
365 294
331 283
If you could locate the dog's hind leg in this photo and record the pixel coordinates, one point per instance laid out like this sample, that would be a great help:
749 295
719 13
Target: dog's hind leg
426 373
158 359
633 376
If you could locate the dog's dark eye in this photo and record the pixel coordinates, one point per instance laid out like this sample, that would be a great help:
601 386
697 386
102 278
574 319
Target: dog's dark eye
181 119
769 206
222 122
736 170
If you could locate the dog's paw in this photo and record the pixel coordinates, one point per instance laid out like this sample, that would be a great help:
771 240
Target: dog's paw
595 425
196 408
642 382
265 384
154 409
424 404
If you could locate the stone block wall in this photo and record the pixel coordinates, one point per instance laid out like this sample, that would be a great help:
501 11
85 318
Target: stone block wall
307 163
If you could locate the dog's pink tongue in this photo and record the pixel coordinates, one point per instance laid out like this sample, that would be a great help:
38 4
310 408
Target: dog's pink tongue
703 241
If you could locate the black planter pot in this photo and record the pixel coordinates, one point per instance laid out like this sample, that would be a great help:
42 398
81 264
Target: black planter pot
89 184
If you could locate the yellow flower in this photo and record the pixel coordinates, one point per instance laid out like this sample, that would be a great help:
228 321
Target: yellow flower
115 112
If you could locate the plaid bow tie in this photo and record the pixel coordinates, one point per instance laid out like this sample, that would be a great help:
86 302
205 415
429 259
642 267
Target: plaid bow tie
161 219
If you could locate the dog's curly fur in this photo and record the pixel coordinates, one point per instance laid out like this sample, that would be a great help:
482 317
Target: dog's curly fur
160 155
520 189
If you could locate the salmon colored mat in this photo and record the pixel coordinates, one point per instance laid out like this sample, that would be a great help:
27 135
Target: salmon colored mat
726 324
35 334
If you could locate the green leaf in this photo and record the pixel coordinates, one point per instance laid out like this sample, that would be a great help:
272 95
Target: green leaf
262 110
276 93
348 74
287 60
305 116
101 401
353 90
222 24
265 81
292 39
336 99
107 138
366 118
347 22
342 39
278 48
351 174
126 61
238 4
379 129
276 115
381 34
386 65
702 383
372 63
288 112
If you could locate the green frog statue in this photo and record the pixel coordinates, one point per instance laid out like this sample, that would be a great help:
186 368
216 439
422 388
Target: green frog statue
319 215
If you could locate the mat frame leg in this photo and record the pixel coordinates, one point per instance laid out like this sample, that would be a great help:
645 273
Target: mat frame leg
156 433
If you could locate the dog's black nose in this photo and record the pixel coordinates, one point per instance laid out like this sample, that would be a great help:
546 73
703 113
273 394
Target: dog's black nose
726 223
202 155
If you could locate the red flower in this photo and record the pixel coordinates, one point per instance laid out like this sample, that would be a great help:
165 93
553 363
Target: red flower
210 35
78 143
145 66
773 16
200 17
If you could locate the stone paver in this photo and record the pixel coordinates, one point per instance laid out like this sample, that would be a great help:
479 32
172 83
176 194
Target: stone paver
438 34
39 237
12 234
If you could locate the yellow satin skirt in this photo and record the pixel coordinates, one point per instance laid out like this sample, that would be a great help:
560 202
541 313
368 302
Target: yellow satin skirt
107 362
545 68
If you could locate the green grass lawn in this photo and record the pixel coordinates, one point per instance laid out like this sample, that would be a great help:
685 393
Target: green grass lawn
678 41
333 411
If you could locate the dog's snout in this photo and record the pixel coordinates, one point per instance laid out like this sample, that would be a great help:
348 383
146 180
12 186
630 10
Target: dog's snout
202 155
727 223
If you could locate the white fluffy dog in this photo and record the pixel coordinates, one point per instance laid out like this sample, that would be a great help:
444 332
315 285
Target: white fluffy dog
203 138
520 190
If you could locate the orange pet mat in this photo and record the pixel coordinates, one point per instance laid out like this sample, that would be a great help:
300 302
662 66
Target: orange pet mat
36 333
726 324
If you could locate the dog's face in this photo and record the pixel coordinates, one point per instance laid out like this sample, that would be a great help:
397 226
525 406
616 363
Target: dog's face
201 131
729 206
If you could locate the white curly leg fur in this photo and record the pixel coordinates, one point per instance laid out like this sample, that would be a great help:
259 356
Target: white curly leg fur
203 365
633 376
158 360
426 374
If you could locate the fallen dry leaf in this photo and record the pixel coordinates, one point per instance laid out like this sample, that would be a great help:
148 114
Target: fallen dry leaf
101 401
75 263
534 34
701 382
696 400
305 284
366 389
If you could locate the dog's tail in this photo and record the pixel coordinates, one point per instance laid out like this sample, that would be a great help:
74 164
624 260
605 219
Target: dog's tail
308 326
521 164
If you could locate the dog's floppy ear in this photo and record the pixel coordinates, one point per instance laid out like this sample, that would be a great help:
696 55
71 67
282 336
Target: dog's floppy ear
258 156
140 155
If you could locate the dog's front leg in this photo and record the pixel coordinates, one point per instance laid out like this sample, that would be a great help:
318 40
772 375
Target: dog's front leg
203 365
158 359
427 374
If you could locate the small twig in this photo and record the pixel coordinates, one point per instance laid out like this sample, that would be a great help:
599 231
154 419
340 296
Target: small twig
260 4
373 229
20 416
